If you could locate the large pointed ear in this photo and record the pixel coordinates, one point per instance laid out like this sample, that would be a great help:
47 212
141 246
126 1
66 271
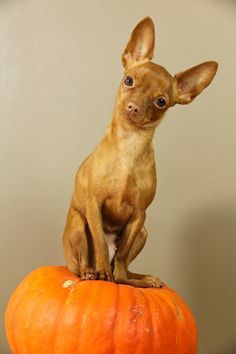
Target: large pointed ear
141 44
191 82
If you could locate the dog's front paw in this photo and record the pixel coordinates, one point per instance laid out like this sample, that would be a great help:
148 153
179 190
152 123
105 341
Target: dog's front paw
92 274
88 274
104 275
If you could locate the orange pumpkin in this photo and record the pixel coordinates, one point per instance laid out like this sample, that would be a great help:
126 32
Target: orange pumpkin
53 312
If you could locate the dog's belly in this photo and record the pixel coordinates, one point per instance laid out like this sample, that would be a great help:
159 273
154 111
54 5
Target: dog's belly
111 244
115 216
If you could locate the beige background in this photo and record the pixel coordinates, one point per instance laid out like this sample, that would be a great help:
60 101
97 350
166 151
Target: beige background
59 71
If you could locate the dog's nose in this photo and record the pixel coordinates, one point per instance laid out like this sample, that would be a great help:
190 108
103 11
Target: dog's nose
133 108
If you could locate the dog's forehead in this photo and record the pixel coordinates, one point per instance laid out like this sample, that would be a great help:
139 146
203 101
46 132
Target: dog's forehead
152 73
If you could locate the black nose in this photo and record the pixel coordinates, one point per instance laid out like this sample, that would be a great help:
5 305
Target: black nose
133 108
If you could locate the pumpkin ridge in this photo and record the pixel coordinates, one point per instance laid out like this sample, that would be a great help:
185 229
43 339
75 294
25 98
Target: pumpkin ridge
15 301
153 294
54 277
10 323
115 317
44 274
150 319
147 302
26 294
90 296
188 320
134 301
160 300
169 300
56 327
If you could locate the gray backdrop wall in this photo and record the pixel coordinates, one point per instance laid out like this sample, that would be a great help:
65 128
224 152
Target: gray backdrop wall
59 71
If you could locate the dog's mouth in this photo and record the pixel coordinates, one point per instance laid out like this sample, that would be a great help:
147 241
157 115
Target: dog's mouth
134 120
140 120
135 117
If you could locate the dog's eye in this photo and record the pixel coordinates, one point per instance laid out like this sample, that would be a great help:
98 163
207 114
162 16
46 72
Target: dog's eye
128 81
160 102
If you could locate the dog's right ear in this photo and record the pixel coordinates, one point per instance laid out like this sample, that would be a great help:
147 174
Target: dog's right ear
141 44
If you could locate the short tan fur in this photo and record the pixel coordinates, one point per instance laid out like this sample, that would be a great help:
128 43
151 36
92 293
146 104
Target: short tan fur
117 182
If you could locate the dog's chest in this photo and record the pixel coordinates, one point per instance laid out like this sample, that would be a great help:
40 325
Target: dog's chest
137 172
130 187
128 170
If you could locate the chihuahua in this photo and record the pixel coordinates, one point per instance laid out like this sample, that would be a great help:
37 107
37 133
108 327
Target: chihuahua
116 183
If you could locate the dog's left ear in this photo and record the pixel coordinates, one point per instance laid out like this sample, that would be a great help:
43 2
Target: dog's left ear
190 83
141 44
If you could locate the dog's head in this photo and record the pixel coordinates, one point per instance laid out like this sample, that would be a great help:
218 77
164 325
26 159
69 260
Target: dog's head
148 89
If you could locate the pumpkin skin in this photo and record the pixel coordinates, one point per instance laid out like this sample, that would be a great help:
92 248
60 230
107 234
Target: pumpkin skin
53 312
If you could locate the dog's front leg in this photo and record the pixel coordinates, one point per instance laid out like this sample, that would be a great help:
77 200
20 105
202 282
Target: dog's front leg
100 254
131 231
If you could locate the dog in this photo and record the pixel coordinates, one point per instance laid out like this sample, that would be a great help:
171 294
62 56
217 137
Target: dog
116 183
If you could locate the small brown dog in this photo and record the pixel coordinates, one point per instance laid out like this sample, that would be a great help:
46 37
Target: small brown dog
117 182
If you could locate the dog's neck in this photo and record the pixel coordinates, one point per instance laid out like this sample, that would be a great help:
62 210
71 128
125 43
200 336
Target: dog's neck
133 143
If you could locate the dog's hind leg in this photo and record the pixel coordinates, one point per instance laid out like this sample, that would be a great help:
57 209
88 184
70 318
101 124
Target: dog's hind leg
135 279
141 280
75 244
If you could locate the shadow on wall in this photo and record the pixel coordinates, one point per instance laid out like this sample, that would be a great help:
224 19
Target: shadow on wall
208 254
